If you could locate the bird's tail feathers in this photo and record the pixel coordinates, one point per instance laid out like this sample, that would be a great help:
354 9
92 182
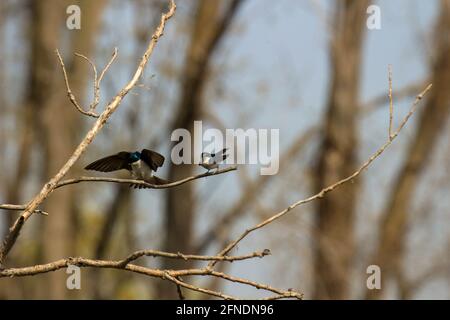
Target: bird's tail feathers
153 180
221 155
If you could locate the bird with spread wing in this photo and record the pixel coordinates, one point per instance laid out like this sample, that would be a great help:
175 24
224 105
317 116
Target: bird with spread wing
141 165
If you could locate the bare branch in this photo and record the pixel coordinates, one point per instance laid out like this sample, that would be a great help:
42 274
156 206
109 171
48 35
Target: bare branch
50 186
286 294
97 79
124 181
407 91
154 253
143 183
330 188
71 96
180 283
253 187
102 74
96 88
171 275
18 207
134 256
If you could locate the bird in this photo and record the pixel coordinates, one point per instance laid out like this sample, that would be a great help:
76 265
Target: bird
141 165
211 160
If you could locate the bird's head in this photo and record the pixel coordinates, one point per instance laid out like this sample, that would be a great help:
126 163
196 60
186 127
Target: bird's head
135 156
206 158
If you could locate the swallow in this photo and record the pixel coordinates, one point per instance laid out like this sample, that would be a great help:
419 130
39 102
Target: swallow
211 161
141 165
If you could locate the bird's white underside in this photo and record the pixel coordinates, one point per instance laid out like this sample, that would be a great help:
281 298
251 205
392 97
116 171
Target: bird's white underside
141 171
209 163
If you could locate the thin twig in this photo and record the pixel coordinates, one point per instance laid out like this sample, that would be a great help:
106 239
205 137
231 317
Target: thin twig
330 188
71 96
179 290
288 293
102 74
391 105
141 182
136 255
180 283
96 89
171 275
155 253
97 79
379 101
20 207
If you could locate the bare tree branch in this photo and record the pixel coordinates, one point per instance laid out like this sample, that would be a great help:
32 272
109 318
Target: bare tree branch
176 277
375 103
143 183
254 187
124 181
32 270
70 94
171 275
155 253
97 79
330 188
180 283
50 186
18 207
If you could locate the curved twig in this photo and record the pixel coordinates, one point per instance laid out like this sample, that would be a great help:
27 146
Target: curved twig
155 253
330 188
141 182
70 94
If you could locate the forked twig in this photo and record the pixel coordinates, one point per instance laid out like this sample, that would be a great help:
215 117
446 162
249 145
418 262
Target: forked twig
70 94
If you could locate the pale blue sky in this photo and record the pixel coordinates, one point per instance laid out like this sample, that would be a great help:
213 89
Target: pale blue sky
274 70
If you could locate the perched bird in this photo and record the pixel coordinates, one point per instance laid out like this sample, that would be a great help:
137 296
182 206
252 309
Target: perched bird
141 165
212 160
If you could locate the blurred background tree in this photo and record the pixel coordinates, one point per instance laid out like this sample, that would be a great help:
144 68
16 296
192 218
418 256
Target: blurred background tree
309 68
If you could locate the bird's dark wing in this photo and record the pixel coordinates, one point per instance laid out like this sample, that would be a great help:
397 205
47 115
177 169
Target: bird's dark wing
152 158
112 163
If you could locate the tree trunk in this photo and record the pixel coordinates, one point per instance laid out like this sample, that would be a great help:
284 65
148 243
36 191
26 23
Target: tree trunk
337 154
60 124
210 23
